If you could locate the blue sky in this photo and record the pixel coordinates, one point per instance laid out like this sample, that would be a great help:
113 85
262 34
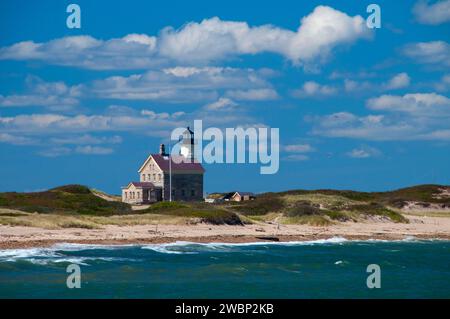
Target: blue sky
357 108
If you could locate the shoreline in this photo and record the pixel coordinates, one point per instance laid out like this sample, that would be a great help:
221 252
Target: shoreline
14 237
206 240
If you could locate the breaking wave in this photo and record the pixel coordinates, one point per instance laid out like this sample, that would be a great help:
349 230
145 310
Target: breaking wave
64 252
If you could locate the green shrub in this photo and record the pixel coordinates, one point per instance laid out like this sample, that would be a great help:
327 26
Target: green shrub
260 206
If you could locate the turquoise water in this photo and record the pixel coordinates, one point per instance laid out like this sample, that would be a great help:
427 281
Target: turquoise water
333 268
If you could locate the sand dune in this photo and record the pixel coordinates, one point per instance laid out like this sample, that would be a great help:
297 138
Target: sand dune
419 226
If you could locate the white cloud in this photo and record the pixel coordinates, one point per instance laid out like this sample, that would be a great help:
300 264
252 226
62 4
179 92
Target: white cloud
93 150
435 13
370 127
358 86
433 52
16 139
221 104
443 84
253 94
86 139
364 152
209 41
418 116
314 89
179 85
54 123
83 150
53 95
423 104
296 158
130 52
398 81
214 39
298 148
55 152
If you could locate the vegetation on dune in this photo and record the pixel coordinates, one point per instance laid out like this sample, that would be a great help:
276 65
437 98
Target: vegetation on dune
265 203
206 213
397 198
316 208
76 199
80 207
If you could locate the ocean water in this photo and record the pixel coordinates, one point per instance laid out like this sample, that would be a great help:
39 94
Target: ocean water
333 268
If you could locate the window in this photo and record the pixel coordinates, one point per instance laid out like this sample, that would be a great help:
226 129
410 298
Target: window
159 177
183 192
126 195
154 177
143 177
148 177
138 195
192 192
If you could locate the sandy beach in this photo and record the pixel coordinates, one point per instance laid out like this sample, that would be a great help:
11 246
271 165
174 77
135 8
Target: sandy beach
419 227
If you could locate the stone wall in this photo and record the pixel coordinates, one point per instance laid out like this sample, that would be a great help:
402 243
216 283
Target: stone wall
185 187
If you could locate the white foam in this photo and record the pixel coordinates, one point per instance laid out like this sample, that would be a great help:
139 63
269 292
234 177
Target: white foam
80 247
54 254
186 247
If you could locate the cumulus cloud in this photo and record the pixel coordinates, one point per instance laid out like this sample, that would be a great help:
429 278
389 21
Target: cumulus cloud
16 139
93 150
214 39
432 13
83 150
221 104
443 84
417 116
370 127
53 95
364 152
195 43
253 94
130 52
314 89
433 52
423 104
54 123
86 139
176 85
398 81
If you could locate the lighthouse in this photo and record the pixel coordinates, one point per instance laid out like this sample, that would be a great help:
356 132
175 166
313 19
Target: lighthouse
187 145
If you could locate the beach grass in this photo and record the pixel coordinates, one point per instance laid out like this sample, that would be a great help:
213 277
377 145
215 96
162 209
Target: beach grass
77 206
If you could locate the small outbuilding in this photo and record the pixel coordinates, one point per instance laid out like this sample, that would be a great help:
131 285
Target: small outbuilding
239 196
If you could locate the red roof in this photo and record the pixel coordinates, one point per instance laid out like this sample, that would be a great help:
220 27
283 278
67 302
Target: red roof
163 163
143 184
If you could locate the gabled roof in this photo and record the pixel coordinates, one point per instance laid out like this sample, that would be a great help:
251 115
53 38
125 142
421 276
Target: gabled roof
246 193
140 185
231 194
163 164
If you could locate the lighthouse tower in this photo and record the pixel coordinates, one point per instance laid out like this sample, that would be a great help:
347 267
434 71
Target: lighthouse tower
187 145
